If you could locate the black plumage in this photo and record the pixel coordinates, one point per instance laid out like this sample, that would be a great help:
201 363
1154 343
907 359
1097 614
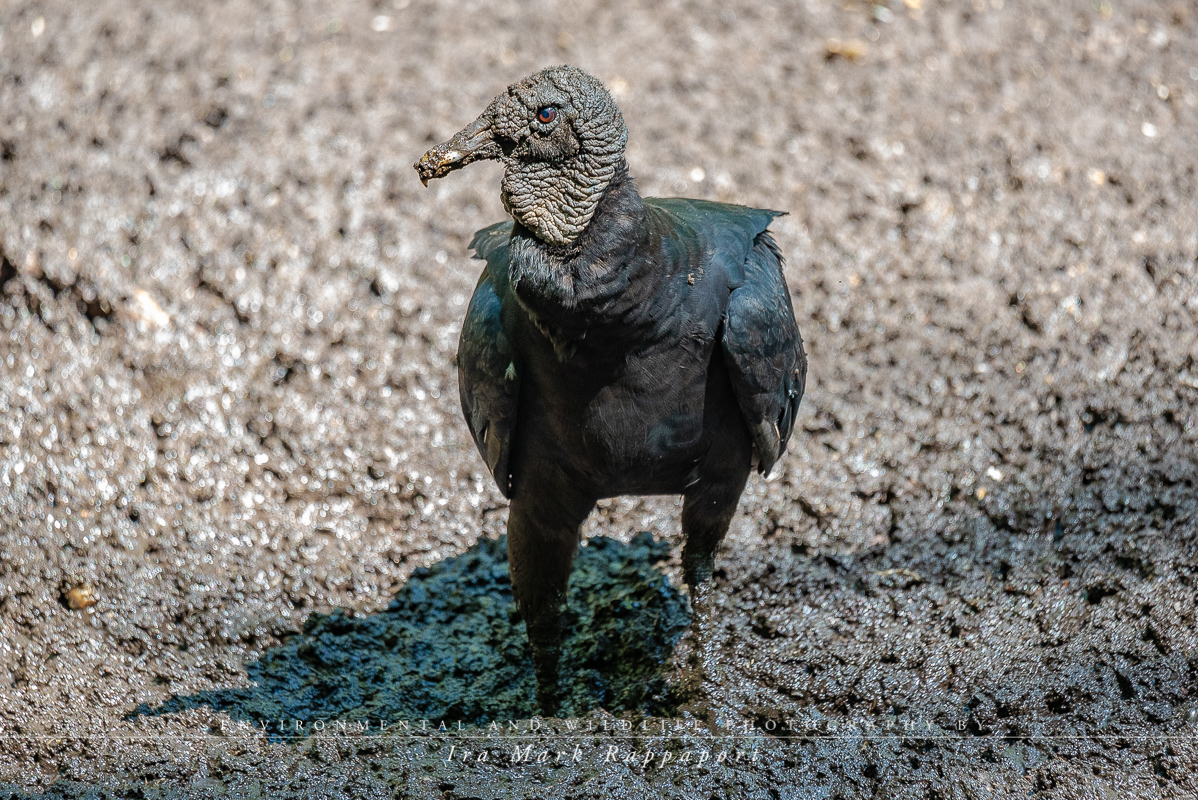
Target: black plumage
614 345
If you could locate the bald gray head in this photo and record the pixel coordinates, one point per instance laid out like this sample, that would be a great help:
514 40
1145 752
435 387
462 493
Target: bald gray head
561 140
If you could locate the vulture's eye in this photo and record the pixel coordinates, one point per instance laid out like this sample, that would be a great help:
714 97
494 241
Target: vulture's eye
546 115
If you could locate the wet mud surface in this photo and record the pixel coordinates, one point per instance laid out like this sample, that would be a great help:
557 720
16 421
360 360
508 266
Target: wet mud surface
230 439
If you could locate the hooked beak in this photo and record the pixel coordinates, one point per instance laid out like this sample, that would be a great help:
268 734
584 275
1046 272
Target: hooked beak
473 143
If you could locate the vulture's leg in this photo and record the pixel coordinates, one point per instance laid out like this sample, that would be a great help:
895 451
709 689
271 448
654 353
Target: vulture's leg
542 535
707 511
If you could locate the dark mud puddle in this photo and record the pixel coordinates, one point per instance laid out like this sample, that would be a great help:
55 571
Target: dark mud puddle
452 646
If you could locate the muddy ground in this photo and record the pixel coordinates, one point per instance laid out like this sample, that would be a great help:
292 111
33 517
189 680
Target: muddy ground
228 406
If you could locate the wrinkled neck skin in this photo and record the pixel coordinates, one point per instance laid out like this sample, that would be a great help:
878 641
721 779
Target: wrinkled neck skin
592 284
558 201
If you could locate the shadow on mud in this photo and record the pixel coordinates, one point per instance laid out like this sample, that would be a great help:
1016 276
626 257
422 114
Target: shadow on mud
452 647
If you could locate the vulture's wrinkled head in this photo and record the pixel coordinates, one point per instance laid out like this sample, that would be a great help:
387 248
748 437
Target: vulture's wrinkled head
560 138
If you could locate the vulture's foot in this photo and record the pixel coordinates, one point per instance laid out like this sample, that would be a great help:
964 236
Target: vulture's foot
699 668
545 659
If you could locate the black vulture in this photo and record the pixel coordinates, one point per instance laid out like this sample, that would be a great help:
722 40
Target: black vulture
614 345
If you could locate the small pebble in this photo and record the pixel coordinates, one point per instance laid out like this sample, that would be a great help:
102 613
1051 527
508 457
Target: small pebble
80 597
852 49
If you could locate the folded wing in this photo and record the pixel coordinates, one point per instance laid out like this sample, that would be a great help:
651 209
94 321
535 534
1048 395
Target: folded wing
764 352
488 382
